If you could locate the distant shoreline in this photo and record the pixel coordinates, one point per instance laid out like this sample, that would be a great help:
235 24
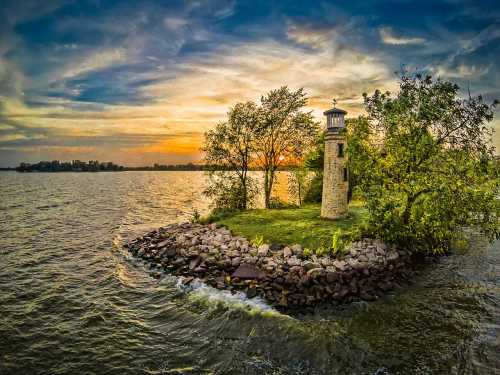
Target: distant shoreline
123 170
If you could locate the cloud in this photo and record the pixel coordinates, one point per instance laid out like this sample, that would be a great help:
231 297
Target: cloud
174 23
462 71
141 83
387 37
309 37
97 61
209 83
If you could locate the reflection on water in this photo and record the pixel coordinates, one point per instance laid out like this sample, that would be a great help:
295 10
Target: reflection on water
72 301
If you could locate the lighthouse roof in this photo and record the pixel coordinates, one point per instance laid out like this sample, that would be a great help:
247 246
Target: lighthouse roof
334 110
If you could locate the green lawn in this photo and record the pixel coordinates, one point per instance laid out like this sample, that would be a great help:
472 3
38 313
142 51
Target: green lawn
292 225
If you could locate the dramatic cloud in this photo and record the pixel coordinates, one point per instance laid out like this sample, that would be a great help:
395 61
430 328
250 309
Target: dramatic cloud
139 82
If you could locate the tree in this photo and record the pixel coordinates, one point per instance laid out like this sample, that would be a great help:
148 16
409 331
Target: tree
228 153
285 133
424 163
298 183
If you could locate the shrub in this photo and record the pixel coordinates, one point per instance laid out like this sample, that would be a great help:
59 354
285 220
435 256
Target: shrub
258 240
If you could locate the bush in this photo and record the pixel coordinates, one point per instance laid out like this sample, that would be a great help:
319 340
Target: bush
277 203
227 191
315 189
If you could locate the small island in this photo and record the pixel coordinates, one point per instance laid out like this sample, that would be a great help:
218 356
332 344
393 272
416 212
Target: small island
371 196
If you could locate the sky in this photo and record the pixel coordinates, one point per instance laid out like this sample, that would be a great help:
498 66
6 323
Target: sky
139 82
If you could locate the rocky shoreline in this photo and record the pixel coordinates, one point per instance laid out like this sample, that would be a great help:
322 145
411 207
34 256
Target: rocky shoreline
281 275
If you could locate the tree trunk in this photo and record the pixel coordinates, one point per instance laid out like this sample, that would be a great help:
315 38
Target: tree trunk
268 186
409 205
267 194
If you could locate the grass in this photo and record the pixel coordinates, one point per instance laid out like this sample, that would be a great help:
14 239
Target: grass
292 225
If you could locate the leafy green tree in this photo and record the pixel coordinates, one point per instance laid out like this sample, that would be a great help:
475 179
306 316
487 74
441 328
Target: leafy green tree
229 151
424 163
285 133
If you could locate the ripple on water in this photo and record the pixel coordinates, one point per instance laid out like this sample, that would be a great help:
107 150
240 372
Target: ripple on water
72 301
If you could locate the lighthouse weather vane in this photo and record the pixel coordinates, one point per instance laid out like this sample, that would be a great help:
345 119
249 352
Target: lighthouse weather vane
334 102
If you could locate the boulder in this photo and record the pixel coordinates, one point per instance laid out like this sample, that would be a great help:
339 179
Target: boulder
293 261
263 250
248 271
311 265
171 252
235 262
162 244
297 249
340 264
251 292
195 263
287 252
316 272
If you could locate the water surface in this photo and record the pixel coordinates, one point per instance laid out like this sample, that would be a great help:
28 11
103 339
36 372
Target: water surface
72 301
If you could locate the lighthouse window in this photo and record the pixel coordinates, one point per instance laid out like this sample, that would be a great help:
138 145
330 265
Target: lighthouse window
340 150
345 174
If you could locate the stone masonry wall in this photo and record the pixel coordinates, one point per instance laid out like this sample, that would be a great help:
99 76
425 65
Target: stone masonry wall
334 198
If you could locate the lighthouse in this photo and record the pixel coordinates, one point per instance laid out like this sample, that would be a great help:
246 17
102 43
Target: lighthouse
335 174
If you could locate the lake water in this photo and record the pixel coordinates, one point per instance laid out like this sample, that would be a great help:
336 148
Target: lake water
72 301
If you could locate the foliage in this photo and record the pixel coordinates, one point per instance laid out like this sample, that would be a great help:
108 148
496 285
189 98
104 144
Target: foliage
228 192
322 250
424 165
228 153
258 240
195 217
268 136
277 203
307 252
295 225
285 133
73 166
216 215
315 189
337 243
298 183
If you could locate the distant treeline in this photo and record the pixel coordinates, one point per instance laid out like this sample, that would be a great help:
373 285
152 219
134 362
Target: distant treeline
70 166
96 166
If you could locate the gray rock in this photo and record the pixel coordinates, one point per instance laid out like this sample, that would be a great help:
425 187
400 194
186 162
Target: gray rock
293 261
315 272
247 272
331 277
263 250
251 292
162 244
235 262
311 265
287 252
171 252
297 249
340 264
195 263
393 255
325 261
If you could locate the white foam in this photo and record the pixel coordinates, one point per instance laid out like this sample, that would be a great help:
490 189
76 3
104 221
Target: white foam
215 295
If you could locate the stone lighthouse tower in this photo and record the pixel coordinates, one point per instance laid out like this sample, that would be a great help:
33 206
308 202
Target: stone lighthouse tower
335 175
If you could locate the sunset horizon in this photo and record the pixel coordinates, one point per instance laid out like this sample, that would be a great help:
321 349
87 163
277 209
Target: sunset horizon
139 85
